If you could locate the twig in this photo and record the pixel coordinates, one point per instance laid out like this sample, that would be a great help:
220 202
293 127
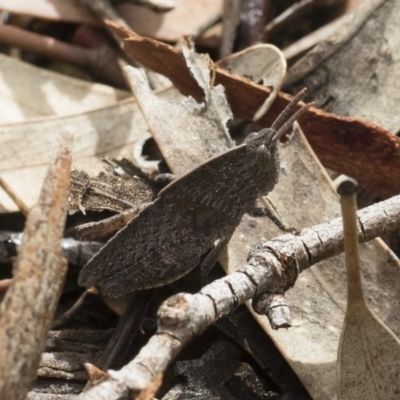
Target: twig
19 203
29 304
100 61
272 267
308 41
51 396
120 343
75 251
5 284
294 12
70 313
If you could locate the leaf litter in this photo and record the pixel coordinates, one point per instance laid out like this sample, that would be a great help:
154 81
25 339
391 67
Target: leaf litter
317 300
318 281
245 98
112 130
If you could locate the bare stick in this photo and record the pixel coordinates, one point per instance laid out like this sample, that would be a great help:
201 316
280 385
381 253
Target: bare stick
28 307
348 201
75 251
183 316
19 202
45 45
287 17
100 61
5 284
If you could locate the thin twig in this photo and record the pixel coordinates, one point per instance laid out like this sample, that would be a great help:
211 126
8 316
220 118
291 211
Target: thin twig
308 41
19 202
291 14
75 251
100 61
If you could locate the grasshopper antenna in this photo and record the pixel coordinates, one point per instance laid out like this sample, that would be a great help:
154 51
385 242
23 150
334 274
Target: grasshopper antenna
283 129
284 115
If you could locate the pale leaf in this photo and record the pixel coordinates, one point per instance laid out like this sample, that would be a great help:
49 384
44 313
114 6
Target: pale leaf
304 196
369 359
183 128
71 11
355 72
261 63
184 19
26 148
27 91
369 352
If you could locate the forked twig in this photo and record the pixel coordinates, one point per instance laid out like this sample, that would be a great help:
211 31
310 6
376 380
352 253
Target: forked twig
183 316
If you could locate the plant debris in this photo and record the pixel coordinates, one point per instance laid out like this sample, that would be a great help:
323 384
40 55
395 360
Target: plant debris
166 142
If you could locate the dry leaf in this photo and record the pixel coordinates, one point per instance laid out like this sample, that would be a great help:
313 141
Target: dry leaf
368 360
184 19
26 148
71 11
51 93
263 63
181 128
340 142
370 43
369 352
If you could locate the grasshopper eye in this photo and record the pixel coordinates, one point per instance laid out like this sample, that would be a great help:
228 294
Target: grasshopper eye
251 136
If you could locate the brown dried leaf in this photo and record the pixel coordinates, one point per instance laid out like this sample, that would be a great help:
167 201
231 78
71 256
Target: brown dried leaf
340 142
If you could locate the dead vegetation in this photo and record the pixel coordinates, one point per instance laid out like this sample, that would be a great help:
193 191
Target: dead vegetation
134 110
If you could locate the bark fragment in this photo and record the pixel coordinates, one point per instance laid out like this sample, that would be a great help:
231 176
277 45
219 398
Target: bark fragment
27 310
